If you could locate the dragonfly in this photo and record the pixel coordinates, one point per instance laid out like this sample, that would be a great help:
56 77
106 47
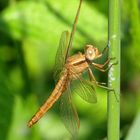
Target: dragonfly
67 70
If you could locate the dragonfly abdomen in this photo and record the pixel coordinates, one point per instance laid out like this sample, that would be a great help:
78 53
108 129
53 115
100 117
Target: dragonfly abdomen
59 88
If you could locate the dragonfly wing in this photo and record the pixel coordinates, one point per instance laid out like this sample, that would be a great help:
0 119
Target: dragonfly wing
61 55
73 29
69 114
85 89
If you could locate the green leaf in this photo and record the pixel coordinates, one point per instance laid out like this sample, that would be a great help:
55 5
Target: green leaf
6 107
134 132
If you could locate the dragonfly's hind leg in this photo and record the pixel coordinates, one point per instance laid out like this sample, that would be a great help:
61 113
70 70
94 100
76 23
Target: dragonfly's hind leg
102 85
93 79
109 90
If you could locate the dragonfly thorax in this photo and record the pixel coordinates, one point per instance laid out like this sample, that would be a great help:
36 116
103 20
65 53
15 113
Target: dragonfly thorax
91 52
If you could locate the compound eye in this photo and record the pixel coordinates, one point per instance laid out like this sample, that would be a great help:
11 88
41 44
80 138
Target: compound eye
90 52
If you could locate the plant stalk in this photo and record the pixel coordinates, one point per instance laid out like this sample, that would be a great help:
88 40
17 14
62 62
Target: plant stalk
114 72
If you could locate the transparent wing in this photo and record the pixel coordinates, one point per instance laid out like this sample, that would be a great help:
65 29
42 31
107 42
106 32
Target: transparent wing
61 55
85 89
69 114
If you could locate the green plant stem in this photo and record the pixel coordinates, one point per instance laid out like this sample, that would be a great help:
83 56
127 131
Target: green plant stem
114 72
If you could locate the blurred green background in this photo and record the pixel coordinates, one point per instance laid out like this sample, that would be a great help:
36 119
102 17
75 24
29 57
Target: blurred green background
29 36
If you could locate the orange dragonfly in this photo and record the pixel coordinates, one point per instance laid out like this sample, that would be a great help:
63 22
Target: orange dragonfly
70 69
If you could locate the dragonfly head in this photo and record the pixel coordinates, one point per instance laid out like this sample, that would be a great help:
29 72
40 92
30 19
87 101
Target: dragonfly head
91 52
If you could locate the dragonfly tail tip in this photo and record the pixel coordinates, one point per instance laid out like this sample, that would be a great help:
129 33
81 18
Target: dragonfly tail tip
29 124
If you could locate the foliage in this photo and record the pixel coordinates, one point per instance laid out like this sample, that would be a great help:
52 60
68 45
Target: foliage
134 130
6 106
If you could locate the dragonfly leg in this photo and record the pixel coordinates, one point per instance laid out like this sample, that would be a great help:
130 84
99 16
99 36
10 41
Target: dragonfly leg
103 52
105 63
109 90
100 66
92 77
102 85
105 49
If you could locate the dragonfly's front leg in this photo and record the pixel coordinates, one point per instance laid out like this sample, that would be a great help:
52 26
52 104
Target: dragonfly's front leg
100 66
92 77
103 52
105 63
